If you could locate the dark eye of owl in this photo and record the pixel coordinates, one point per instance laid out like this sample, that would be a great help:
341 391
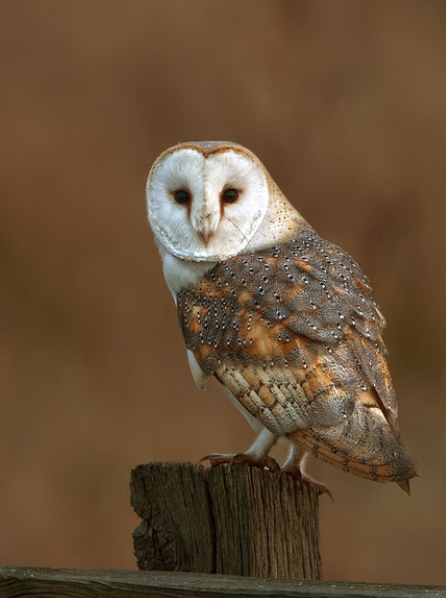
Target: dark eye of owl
230 195
181 196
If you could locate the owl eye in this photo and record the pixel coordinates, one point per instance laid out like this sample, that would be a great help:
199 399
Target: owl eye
230 195
181 196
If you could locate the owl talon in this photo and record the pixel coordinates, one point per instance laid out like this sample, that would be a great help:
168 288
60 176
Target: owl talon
216 459
320 487
265 462
297 474
270 464
198 465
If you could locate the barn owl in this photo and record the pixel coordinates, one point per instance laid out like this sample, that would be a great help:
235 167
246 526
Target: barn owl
284 320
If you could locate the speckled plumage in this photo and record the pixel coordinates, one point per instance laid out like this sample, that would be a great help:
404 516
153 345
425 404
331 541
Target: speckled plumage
295 335
290 328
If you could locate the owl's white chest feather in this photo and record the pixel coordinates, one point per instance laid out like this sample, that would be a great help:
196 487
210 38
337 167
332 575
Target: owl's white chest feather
180 274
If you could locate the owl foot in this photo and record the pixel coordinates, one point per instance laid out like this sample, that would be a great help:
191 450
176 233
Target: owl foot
297 474
265 462
216 459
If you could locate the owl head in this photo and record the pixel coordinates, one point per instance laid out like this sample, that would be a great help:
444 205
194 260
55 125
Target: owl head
207 200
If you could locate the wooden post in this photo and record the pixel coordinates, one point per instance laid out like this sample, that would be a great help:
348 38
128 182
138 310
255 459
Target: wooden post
240 520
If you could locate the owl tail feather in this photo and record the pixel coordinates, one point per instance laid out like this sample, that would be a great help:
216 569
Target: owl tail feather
392 465
405 485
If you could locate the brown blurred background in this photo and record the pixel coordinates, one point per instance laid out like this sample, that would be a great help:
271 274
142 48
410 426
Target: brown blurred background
345 103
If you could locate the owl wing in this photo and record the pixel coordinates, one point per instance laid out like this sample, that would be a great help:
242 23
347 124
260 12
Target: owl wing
294 334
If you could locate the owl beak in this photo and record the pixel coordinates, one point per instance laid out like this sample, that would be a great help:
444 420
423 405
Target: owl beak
206 235
207 229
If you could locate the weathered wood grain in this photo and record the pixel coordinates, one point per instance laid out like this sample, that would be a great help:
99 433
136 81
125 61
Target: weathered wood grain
176 532
235 521
24 582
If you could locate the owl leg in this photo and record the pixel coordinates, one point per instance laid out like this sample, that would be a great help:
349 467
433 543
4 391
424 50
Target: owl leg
294 466
259 449
256 455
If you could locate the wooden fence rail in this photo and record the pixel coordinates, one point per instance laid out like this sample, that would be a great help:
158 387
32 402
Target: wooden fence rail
24 582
